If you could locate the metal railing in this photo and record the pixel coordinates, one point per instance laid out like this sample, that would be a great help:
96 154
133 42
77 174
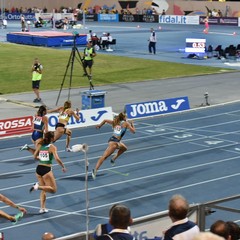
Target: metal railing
155 223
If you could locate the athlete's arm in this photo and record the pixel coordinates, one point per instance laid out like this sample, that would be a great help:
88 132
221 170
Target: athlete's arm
74 114
53 150
54 110
103 122
36 153
11 203
129 124
45 120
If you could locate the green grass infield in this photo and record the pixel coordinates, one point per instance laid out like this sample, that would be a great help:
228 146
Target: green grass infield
16 62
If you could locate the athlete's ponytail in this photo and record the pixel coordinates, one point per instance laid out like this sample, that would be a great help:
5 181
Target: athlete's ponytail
121 117
48 138
42 111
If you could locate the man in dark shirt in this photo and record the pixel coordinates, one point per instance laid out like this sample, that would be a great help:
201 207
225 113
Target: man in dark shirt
120 219
182 228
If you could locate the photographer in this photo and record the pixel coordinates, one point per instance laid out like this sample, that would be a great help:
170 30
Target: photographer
88 55
36 78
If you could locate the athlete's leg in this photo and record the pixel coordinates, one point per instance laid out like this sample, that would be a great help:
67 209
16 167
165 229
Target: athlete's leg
68 132
58 133
122 149
43 193
110 150
49 183
6 216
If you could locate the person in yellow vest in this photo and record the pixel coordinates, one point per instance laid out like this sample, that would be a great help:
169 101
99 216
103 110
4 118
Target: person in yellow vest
37 69
88 55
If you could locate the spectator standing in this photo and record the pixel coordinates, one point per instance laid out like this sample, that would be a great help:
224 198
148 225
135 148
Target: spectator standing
95 42
4 23
37 69
120 219
23 23
103 41
220 13
215 13
65 23
88 54
89 36
109 40
15 218
152 42
181 228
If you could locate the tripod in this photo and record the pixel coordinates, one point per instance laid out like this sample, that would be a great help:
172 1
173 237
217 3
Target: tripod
74 54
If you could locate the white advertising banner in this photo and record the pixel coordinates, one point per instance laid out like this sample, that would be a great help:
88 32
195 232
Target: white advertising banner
88 117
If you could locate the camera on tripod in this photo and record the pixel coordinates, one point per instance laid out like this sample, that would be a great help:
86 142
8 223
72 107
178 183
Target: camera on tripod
74 54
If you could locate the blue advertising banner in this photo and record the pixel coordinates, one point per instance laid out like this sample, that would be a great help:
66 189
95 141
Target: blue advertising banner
157 107
17 16
108 18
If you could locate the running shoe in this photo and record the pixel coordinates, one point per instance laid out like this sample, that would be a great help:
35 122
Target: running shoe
68 149
25 147
43 210
37 100
94 174
112 162
18 217
34 187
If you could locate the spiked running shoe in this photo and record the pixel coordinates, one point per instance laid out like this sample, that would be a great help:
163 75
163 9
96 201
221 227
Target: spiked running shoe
34 187
25 147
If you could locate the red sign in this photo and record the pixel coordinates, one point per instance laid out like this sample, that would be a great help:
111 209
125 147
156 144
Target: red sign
16 126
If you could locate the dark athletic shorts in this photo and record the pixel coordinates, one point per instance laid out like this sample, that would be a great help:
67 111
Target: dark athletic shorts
36 84
42 170
113 139
59 125
36 135
88 63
